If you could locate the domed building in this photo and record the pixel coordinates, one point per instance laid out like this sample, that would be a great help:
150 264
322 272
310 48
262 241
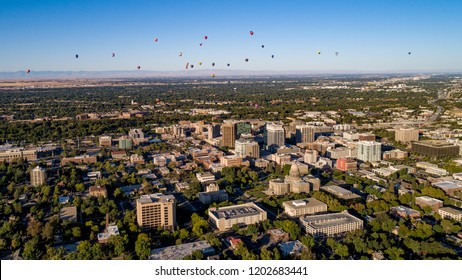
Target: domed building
292 183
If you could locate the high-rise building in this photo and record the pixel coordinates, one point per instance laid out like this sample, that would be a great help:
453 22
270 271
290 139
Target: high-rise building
229 134
310 156
434 148
406 134
213 131
304 133
247 148
330 224
137 136
274 136
369 151
156 210
38 176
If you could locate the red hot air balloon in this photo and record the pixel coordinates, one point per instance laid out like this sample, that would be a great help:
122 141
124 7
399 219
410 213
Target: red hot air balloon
251 33
28 71
206 37
200 44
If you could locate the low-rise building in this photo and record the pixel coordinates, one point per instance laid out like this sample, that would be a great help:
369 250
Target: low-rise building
97 191
450 187
213 196
451 213
79 160
178 252
205 177
346 164
434 203
330 224
340 192
68 214
405 212
291 248
300 207
224 218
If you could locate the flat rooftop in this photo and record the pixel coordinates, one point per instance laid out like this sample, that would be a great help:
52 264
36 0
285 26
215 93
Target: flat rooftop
428 199
329 220
404 210
236 211
149 198
303 203
340 192
449 185
452 210
180 251
434 143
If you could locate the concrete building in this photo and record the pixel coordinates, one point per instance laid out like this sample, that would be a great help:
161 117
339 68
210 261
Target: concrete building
366 137
300 207
156 210
450 187
434 203
346 164
224 218
38 176
330 224
125 143
342 152
213 131
304 133
395 154
178 252
68 213
105 141
247 148
369 151
451 213
275 137
405 212
310 156
213 196
205 177
79 160
340 192
10 154
406 134
97 191
229 134
137 136
434 148
232 160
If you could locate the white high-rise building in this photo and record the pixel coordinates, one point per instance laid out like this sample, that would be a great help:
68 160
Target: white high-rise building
406 134
275 136
247 148
369 151
38 176
310 156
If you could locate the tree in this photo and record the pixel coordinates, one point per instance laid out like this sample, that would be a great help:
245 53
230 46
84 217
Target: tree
143 246
117 244
84 250
31 250
34 227
199 225
394 253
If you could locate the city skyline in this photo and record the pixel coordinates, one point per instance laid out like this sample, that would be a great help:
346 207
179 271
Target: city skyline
46 36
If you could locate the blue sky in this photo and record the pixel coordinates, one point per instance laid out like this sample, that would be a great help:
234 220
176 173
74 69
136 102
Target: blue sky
369 35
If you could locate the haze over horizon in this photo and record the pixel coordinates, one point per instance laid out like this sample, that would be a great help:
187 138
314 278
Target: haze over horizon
369 37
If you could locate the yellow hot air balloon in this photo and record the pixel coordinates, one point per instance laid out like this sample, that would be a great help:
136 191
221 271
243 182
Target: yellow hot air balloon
213 75
319 52
200 62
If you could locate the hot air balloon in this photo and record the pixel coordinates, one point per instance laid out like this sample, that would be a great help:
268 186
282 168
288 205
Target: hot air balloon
138 67
213 75
192 66
76 56
213 64
155 40
187 65
200 62
262 46
409 53
228 64
319 52
205 37
28 71
246 60
180 54
200 44
113 54
272 56
251 33
336 53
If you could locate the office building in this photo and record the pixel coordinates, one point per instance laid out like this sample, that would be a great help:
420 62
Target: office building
125 143
247 148
369 151
304 133
406 134
97 191
213 196
137 136
330 224
405 212
38 176
346 164
224 218
310 156
156 211
274 136
431 202
395 154
229 134
340 192
435 148
213 131
451 213
232 160
307 206
105 141
205 177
